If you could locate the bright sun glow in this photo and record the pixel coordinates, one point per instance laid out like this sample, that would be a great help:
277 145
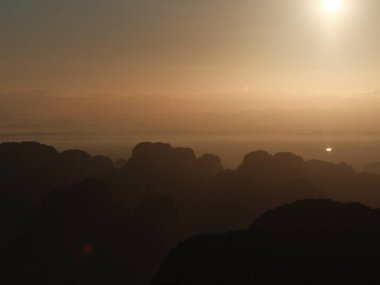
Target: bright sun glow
332 6
329 149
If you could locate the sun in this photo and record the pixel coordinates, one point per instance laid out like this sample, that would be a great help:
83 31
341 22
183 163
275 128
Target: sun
332 6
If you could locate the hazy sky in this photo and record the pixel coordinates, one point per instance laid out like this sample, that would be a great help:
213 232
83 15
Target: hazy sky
189 46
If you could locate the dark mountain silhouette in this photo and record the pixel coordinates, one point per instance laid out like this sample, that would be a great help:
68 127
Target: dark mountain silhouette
372 168
29 171
79 235
308 242
121 162
160 169
71 217
262 181
341 182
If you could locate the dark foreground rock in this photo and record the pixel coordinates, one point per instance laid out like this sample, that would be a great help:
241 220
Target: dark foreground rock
307 242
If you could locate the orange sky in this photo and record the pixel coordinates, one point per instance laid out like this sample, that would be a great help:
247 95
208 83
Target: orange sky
156 69
189 47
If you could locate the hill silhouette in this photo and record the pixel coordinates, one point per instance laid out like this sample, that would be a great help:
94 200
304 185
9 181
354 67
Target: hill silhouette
79 235
72 217
372 168
308 242
29 171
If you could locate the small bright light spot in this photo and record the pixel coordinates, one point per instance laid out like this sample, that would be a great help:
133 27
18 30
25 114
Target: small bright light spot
332 6
329 149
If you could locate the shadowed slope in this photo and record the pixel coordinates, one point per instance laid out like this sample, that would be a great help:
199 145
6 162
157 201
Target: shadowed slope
29 171
310 241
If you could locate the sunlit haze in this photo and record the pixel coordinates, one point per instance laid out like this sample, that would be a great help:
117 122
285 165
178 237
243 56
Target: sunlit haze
332 6
154 69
